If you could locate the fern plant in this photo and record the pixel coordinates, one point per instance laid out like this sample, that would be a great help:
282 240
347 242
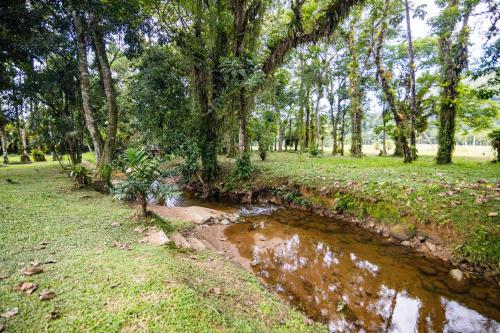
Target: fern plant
80 174
38 155
142 175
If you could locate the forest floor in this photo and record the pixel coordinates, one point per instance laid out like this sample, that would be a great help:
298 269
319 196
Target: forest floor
462 198
103 279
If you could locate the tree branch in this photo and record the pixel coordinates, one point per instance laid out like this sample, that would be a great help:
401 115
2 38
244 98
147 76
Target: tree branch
324 26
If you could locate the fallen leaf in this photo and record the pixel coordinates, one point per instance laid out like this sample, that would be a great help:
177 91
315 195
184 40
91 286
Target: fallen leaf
27 287
35 263
493 214
115 224
49 261
215 290
10 313
53 315
31 270
115 285
46 295
121 245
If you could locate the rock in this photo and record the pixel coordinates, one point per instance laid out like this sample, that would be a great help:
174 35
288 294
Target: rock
494 299
225 222
156 237
180 241
421 236
247 198
478 293
196 244
457 281
427 269
402 232
405 243
439 285
430 246
429 286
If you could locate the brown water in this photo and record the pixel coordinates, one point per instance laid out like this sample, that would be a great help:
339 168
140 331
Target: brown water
354 281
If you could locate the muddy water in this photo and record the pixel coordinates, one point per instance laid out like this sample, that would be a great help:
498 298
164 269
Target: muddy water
354 281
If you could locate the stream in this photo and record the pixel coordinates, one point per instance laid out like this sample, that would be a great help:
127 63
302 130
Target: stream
351 279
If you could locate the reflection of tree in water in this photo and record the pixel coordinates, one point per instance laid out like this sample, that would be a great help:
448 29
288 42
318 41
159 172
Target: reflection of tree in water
380 286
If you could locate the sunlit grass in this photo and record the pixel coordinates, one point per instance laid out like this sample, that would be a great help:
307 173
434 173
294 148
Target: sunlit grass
101 288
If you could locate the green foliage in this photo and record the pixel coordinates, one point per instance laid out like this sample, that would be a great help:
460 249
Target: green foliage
483 246
105 170
80 174
38 155
315 151
494 137
294 197
142 175
344 202
190 165
243 169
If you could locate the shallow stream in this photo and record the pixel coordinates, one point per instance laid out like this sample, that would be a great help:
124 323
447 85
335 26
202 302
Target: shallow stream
351 279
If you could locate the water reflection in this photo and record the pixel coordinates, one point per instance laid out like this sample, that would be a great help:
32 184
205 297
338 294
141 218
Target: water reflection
352 280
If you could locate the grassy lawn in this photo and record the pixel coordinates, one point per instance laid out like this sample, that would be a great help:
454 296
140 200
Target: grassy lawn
460 196
102 288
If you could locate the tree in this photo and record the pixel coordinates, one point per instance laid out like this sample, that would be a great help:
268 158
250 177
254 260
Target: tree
452 29
412 83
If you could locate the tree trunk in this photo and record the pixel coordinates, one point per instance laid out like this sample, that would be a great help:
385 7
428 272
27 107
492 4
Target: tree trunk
22 148
342 135
413 84
453 58
383 77
384 134
318 121
3 140
355 97
307 125
83 66
107 80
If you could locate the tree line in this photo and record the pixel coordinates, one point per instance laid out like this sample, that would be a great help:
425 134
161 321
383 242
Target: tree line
204 78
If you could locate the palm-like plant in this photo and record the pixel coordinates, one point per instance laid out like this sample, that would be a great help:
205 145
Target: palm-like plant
142 172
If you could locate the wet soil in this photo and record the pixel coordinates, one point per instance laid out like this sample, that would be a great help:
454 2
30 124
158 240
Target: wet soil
352 279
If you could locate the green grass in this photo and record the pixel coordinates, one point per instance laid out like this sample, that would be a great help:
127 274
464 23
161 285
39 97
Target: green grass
459 196
105 289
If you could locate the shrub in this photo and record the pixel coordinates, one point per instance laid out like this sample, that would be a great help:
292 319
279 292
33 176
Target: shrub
38 155
495 142
314 152
80 174
142 178
190 166
244 169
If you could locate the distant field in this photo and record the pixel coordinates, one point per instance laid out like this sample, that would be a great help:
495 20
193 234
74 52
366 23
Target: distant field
479 152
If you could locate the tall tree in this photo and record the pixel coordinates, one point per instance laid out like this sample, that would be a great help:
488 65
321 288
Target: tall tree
452 29
412 83
83 66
